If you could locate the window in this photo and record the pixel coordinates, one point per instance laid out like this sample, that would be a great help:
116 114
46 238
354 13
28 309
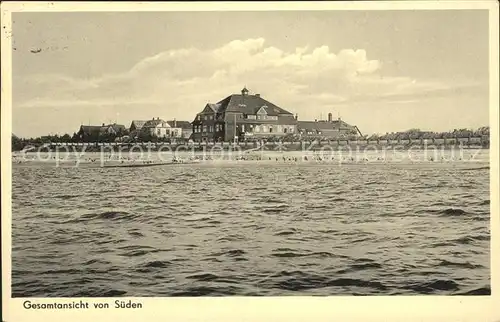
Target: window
204 128
285 129
270 129
158 132
257 128
211 128
206 117
211 117
251 117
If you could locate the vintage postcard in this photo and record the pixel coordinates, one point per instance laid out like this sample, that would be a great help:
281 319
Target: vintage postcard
276 161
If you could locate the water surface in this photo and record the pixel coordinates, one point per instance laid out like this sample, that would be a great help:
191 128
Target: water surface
250 228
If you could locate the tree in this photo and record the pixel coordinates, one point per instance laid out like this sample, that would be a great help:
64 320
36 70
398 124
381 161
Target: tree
65 138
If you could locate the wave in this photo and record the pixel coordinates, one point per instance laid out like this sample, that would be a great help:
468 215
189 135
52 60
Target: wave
445 263
448 212
478 168
135 253
299 280
292 254
99 293
359 267
96 261
207 291
158 264
151 267
233 253
108 215
483 203
478 291
204 277
286 232
66 196
433 286
453 212
277 209
470 239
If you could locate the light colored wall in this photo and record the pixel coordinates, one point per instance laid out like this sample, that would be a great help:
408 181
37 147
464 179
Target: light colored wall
161 130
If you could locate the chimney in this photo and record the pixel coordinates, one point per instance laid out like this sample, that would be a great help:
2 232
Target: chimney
175 123
315 120
296 116
330 119
103 124
257 95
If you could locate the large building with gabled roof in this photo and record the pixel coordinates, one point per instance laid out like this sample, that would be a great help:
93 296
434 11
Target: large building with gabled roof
241 116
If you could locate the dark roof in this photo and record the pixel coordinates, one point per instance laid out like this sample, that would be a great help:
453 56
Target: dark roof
153 123
180 124
323 125
89 129
249 104
138 124
214 107
117 127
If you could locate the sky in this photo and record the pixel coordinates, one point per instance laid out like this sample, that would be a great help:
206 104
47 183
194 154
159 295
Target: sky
383 71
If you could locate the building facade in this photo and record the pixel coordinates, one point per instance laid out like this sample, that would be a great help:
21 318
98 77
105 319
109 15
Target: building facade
156 128
180 129
161 129
240 117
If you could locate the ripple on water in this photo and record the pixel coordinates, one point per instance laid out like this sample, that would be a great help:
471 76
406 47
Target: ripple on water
219 230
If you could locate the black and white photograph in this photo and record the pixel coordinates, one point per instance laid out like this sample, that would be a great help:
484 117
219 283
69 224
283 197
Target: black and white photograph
250 153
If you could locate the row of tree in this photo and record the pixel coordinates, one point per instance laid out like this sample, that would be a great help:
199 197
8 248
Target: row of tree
413 134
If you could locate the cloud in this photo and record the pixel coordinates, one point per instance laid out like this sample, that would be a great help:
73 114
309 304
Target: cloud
177 83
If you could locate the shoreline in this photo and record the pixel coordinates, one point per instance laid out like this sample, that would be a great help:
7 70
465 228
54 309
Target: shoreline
284 147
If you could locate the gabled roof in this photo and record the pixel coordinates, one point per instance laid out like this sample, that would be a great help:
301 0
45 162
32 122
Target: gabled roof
89 129
138 124
117 127
180 124
214 107
154 123
249 104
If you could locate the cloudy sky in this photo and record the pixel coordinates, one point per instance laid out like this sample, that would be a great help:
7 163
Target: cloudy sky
381 70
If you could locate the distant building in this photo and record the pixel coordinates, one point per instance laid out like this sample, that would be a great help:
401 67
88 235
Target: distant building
327 128
241 116
156 128
94 132
180 129
136 125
